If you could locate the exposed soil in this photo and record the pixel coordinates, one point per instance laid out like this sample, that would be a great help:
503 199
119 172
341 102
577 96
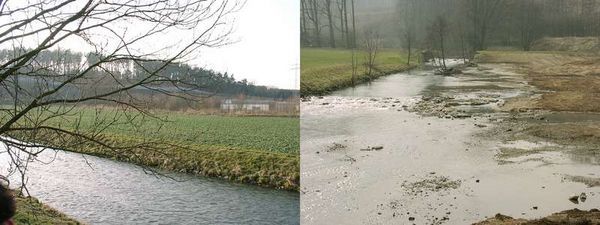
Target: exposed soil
567 217
567 81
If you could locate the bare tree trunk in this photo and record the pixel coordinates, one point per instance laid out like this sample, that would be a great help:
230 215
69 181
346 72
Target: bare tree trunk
353 26
303 28
340 4
346 23
438 31
315 19
371 46
409 52
442 49
482 13
354 64
330 20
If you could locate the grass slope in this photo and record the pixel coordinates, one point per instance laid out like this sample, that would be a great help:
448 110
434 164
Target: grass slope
326 70
255 150
31 211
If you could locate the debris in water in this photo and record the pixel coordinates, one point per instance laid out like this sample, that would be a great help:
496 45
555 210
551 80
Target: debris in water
374 148
434 184
582 197
349 159
335 147
574 199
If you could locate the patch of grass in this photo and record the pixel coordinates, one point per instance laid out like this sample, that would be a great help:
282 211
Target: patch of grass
273 134
31 211
326 70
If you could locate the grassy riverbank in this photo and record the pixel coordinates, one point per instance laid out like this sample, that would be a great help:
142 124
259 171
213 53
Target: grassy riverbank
31 211
254 150
326 70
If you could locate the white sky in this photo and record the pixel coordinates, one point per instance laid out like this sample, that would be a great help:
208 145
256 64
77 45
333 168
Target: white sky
266 50
268 47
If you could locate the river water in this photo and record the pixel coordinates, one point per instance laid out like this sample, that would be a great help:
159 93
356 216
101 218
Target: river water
430 171
101 191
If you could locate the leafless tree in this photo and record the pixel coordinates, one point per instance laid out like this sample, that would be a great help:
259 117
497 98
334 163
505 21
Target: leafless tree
354 58
483 17
313 16
407 21
372 45
345 6
120 35
343 14
304 36
329 15
528 14
438 32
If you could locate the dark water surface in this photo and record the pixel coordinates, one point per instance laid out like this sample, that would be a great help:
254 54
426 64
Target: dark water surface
110 192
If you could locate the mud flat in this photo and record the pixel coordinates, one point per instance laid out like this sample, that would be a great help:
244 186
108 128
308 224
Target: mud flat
455 150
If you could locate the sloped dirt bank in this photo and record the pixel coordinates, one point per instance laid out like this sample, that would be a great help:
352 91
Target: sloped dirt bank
567 217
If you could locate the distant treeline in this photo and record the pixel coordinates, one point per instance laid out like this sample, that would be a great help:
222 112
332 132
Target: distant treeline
60 64
471 24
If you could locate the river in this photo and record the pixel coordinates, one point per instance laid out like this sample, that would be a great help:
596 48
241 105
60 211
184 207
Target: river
101 191
431 170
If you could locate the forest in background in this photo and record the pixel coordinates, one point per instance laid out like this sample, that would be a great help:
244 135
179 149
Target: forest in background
466 26
70 62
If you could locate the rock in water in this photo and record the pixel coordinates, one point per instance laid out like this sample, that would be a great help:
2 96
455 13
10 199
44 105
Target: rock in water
582 197
574 199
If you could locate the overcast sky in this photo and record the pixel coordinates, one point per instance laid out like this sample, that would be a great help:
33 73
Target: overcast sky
265 51
268 47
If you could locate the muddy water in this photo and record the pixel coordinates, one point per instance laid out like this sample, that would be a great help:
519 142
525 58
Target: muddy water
101 191
431 170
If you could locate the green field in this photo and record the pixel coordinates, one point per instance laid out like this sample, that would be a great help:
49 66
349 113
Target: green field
256 150
274 134
326 70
